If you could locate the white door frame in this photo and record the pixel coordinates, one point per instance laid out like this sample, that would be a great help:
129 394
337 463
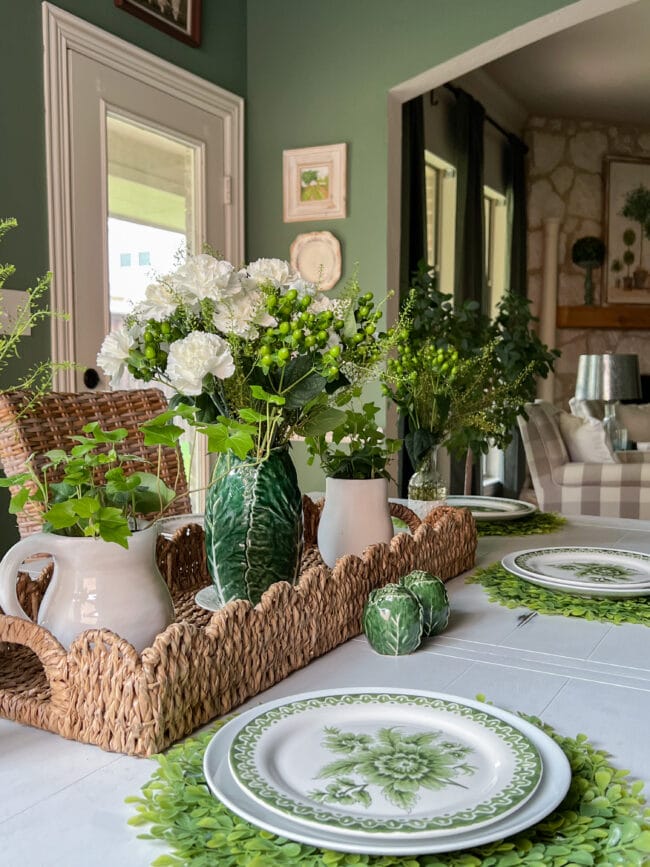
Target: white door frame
62 33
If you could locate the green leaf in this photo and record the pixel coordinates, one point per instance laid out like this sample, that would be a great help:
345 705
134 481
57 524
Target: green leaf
113 526
260 394
62 515
166 434
321 420
18 500
642 842
251 416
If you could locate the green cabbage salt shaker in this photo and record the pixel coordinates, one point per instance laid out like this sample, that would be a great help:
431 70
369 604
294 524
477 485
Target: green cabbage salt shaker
431 593
392 620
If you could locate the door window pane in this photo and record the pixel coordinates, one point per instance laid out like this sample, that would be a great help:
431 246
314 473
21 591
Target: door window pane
150 208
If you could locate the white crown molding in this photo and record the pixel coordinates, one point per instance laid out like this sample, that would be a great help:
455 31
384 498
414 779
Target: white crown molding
63 33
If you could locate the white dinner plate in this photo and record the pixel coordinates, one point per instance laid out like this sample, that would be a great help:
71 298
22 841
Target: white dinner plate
385 764
554 784
207 598
600 591
587 570
492 508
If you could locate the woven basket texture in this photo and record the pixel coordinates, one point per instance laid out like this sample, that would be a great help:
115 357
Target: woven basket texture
207 663
30 427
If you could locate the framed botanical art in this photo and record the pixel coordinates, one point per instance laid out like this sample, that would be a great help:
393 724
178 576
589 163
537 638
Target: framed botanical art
179 18
314 183
626 275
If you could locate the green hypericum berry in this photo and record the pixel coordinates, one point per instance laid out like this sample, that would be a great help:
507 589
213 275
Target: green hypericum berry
284 327
283 354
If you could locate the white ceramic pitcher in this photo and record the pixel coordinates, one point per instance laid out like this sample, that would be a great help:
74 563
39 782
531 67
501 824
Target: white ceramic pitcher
356 514
95 585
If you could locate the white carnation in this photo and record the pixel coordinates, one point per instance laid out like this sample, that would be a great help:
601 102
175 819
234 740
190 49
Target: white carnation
321 303
203 276
242 313
114 352
275 271
160 302
196 355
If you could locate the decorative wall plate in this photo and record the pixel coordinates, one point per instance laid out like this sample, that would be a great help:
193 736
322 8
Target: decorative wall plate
556 776
385 764
317 256
492 508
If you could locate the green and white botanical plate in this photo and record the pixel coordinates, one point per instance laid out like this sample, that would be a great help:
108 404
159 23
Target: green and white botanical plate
492 508
385 763
605 572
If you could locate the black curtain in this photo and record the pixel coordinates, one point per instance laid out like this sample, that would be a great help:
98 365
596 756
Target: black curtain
517 213
469 277
414 228
470 228
515 458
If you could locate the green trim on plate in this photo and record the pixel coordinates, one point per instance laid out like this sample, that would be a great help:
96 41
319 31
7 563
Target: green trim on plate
366 767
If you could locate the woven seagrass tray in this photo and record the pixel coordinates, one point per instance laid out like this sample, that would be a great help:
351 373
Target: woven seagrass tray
205 663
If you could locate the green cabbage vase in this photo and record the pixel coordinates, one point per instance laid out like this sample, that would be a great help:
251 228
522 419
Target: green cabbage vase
253 525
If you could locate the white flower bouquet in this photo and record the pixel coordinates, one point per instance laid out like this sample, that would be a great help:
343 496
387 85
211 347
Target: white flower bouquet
258 353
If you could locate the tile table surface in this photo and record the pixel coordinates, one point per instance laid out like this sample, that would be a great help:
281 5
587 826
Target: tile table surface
60 800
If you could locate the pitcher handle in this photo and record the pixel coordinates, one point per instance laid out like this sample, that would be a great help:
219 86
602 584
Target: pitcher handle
39 543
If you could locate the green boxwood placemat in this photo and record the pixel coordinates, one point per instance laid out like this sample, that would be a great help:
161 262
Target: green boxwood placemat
513 592
532 525
602 821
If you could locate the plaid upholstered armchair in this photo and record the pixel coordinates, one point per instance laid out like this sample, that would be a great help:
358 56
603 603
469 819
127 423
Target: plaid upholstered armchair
618 489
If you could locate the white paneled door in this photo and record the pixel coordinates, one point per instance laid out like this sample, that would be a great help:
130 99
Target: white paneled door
145 163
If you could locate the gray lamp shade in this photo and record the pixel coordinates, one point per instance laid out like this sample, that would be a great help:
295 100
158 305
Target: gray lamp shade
608 377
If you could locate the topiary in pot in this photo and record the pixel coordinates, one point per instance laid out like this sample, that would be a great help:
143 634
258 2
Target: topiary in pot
588 253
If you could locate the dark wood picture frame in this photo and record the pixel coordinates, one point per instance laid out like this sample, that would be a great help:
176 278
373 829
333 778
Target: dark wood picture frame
184 25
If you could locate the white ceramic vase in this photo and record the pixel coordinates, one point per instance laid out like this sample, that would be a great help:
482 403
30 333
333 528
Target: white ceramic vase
356 514
95 585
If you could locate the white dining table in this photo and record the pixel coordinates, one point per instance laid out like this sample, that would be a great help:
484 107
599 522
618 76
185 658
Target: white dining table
62 802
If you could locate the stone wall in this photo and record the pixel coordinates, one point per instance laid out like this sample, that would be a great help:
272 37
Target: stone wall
565 180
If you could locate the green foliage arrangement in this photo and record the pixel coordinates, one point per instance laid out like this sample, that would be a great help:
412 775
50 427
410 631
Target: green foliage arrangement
512 592
458 378
356 448
78 503
602 821
34 311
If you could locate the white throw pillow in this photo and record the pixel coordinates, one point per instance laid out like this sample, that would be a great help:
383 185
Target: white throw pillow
635 418
587 408
585 440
